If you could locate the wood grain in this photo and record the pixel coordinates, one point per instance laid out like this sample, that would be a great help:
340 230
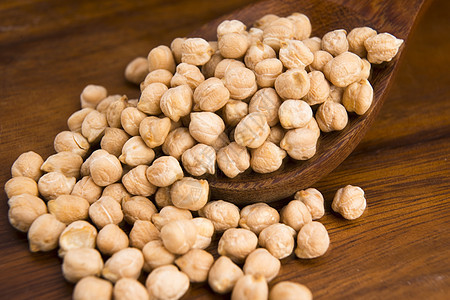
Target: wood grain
399 248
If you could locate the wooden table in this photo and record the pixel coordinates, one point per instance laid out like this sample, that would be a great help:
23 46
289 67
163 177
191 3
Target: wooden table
399 248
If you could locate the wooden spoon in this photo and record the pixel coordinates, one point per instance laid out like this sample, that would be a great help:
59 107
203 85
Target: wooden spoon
395 17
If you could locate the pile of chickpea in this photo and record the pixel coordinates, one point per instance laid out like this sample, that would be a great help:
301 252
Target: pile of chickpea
244 101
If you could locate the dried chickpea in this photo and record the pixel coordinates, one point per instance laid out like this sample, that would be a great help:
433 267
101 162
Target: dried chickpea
234 111
176 102
335 42
129 289
233 45
276 135
292 84
157 280
358 97
76 119
278 239
105 103
209 68
44 232
105 170
224 215
300 143
196 51
114 111
295 55
149 101
295 214
161 58
206 127
92 94
287 290
356 38
321 58
136 182
28 164
319 89
142 233
343 69
187 74
261 262
162 197
71 141
125 263
237 243
117 191
233 159
258 52
154 130
189 193
87 189
267 71
105 211
254 35
199 160
65 162
175 46
93 126
177 142
156 255
23 210
223 275
312 240
336 94
138 208
81 262
331 116
92 288
113 140
294 114
252 130
302 26
205 231
222 141
211 95
278 30
130 119
313 200
230 26
382 47
168 214
196 264
179 236
136 70
350 202
225 65
111 239
85 167
21 185
265 20
250 287
256 217
69 208
78 234
241 82
157 76
313 43
135 152
267 158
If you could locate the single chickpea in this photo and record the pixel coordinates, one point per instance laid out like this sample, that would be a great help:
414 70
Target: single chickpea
292 84
142 233
223 275
222 141
156 255
116 191
278 30
44 232
290 290
130 120
261 262
28 164
319 89
187 74
211 95
24 209
233 45
69 208
136 182
267 71
135 152
161 58
209 68
111 239
103 105
156 76
241 82
350 202
225 65
71 141
300 143
331 116
206 127
176 102
335 42
294 114
93 126
190 193
256 53
237 243
138 208
336 94
177 142
205 231
196 264
358 97
85 167
125 263
234 111
65 162
92 288
252 130
105 170
179 236
87 189
382 47
91 95
162 197
321 58
254 35
295 55
230 26
78 234
302 26
175 46
154 130
80 263
265 20
356 38
344 69
295 214
224 215
149 101
113 140
129 289
256 217
105 211
196 51
313 43
233 159
168 214
21 185
276 134
313 200
267 158
199 160
157 280
250 287
114 111
278 239
136 70
312 240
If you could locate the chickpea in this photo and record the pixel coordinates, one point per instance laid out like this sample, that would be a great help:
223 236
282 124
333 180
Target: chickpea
162 197
117 191
267 158
319 88
278 30
156 255
331 116
92 94
292 84
71 141
321 58
206 127
44 232
335 42
161 58
105 170
138 208
126 263
350 202
103 105
179 236
313 200
230 26
358 97
209 68
21 185
53 184
23 210
176 102
278 239
69 208
241 82
154 130
135 152
105 211
136 70
130 289
237 243
267 71
295 55
312 240
258 52
295 214
256 217
92 288
233 45
302 26
113 140
286 290
233 159
250 287
314 43
252 130
336 94
261 262
157 76
224 215
196 51
85 167
142 233
294 114
225 65
93 126
187 74
211 95
80 263
150 99
196 264
276 135
168 214
65 162
265 20
130 120
199 160
382 47
223 275
114 111
111 239
222 141
177 142
175 46
254 35
234 111
205 231
300 143
344 69
356 38
136 182
78 234
28 164
190 193
157 280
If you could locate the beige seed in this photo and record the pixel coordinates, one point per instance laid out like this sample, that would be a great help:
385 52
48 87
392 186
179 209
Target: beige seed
196 264
267 158
349 202
157 280
130 289
265 20
80 263
211 95
233 159
313 43
302 26
162 197
241 82
138 208
287 290
258 52
105 170
91 95
130 119
196 51
344 69
28 164
278 239
319 89
168 214
157 76
23 210
278 31
176 102
92 288
295 214
87 189
313 200
105 211
126 263
175 46
256 217
233 45
136 182
71 141
294 114
292 84
331 116
295 55
187 74
111 239
234 111
69 208
142 233
312 240
154 130
113 140
190 193
161 58
149 101
209 68
78 234
21 185
237 243
179 236
93 126
276 134
267 71
224 215
44 232
250 287
135 152
252 130
358 97
205 231
65 162
300 143
356 38
136 70
177 142
114 111
117 191
261 262
105 103
223 275
321 58
335 42
382 47
230 26
206 127
225 65
199 160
